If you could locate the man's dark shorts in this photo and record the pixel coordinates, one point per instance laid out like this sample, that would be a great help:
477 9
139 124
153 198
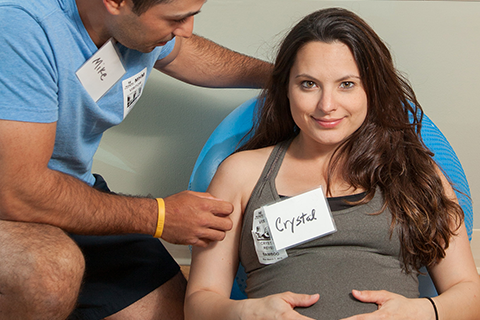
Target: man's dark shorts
119 270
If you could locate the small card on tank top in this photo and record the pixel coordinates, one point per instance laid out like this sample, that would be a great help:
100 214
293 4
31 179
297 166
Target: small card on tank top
299 219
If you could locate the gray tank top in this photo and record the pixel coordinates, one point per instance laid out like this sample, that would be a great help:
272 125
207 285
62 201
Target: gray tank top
360 255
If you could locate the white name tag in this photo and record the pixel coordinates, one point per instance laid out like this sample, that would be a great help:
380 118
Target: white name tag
132 90
299 219
101 71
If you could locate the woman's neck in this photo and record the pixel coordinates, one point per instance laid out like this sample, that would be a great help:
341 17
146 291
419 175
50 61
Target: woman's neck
305 167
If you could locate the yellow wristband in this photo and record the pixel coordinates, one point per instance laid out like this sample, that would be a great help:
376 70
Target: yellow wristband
161 218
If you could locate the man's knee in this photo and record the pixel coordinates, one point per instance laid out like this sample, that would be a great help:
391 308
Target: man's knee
164 303
43 271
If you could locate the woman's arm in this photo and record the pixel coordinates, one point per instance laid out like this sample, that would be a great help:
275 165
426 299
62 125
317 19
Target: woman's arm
213 268
455 278
457 281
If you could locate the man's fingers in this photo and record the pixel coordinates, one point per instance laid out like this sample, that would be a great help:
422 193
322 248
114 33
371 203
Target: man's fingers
204 195
221 208
201 243
196 218
219 223
210 235
211 204
218 206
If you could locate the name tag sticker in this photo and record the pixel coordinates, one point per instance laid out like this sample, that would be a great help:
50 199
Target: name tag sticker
262 240
101 71
132 90
299 219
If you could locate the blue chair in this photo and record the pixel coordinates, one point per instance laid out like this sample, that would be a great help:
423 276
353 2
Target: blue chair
227 136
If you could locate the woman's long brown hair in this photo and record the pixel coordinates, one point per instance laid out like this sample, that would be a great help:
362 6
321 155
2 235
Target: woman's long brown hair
386 152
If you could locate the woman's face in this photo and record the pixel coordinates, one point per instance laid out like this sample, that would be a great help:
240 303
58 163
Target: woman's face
327 99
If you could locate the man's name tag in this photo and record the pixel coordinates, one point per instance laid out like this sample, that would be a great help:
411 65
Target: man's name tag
101 71
132 90
299 219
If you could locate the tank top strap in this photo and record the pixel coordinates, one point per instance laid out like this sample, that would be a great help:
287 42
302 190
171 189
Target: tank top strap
275 160
271 168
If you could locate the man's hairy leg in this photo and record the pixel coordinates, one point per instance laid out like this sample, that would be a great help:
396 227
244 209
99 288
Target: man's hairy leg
41 271
164 303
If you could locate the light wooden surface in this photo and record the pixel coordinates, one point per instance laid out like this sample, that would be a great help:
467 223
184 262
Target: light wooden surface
475 245
185 271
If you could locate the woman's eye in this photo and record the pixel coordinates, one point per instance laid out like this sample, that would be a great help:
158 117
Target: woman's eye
347 84
308 84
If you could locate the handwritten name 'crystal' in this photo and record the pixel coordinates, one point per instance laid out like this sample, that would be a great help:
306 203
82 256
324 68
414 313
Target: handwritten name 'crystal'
291 224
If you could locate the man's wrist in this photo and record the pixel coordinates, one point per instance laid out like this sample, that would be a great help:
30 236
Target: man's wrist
161 218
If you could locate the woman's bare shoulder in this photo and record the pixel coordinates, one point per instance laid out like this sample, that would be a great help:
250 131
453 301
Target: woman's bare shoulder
240 171
247 162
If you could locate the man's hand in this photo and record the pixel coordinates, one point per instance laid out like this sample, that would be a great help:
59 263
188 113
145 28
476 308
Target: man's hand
195 218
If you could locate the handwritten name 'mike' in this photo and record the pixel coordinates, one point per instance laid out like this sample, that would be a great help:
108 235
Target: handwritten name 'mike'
291 224
99 67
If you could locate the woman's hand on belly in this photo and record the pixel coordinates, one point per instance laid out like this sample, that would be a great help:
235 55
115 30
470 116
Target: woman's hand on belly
278 306
393 306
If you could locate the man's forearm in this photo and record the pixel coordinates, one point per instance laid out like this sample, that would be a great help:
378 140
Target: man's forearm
66 202
205 63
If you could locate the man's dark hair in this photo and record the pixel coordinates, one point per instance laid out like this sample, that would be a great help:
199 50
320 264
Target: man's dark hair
140 6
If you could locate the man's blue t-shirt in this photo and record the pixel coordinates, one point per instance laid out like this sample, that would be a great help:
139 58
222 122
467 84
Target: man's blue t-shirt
42 45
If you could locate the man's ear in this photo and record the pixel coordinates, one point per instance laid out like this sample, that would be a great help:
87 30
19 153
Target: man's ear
115 6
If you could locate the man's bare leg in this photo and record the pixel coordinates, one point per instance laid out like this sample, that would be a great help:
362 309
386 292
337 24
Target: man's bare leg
164 303
41 271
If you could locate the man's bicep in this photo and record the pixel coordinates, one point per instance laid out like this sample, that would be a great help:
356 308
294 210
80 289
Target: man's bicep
162 63
190 61
25 146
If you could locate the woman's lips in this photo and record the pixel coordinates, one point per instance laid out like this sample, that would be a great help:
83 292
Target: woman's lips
328 123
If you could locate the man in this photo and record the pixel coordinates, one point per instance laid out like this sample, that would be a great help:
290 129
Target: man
69 71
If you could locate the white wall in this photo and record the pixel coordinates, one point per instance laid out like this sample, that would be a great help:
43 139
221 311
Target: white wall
435 43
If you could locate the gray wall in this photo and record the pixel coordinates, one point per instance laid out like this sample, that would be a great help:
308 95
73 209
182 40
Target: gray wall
435 43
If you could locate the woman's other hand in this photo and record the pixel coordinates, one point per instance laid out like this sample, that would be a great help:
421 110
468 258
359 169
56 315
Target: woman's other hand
393 306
